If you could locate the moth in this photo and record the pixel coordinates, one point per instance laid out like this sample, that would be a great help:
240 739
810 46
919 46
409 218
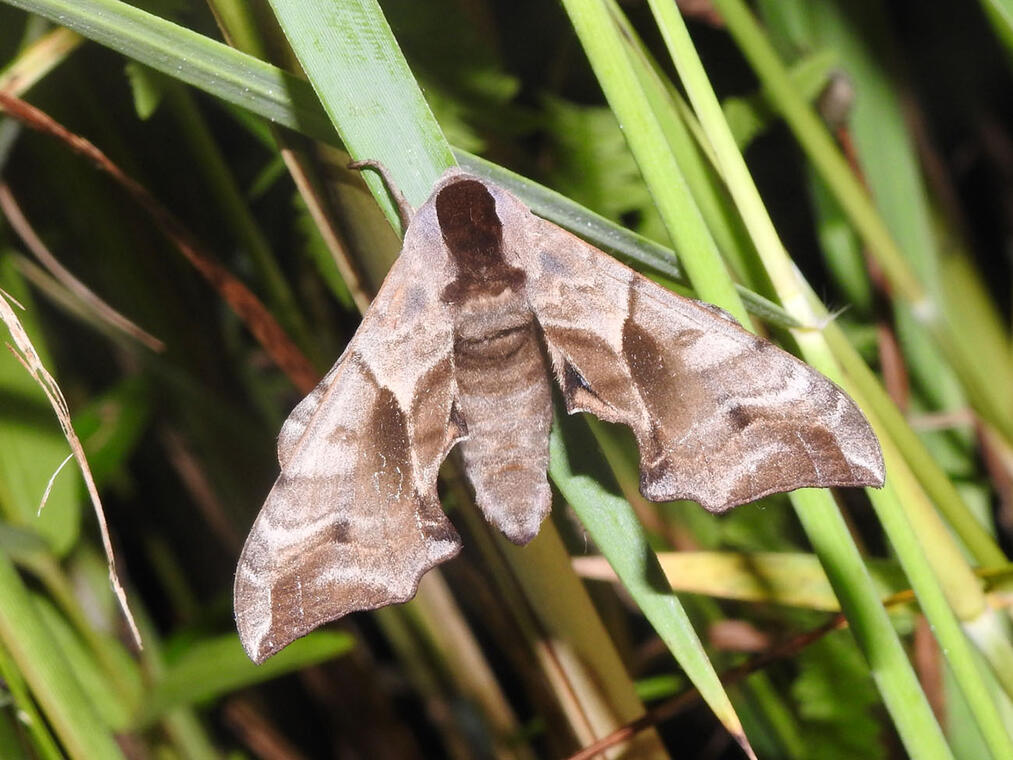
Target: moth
486 307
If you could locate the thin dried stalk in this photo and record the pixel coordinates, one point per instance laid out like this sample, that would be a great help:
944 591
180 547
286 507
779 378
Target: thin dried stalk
34 243
25 353
265 328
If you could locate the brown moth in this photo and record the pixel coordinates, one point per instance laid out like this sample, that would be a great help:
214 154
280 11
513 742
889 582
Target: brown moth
485 308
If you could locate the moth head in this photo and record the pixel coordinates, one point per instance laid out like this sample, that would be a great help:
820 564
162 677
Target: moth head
470 226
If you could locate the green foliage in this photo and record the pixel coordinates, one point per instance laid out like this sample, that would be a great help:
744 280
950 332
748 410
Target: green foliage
31 444
146 88
593 165
837 702
209 668
749 116
506 652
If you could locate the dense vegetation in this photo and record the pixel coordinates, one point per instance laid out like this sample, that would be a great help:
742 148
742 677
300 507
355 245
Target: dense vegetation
212 206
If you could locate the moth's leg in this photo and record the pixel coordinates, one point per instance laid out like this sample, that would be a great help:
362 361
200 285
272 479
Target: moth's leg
404 208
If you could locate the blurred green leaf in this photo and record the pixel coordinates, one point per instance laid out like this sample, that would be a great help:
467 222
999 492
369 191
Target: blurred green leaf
836 701
111 706
22 544
1000 13
22 717
47 672
750 115
111 426
210 668
146 89
32 445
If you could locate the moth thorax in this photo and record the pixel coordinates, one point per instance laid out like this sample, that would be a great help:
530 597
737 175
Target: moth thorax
470 226
487 315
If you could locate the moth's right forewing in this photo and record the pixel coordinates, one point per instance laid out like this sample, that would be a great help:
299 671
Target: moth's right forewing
354 520
721 416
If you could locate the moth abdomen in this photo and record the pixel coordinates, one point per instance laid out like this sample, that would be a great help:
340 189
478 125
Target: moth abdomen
494 349
504 392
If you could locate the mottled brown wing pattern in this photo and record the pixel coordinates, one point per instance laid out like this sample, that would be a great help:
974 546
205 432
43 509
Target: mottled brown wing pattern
458 346
354 519
721 416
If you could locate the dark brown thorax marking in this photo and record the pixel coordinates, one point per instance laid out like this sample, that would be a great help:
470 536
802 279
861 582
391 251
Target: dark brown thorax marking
473 233
501 371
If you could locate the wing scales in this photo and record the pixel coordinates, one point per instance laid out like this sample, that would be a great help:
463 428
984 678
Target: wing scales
354 520
721 416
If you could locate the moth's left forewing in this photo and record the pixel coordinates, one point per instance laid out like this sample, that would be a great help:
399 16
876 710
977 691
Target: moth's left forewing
354 520
721 416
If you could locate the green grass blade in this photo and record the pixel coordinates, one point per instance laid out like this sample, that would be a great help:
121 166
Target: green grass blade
112 709
48 674
592 22
28 715
913 720
211 668
191 57
873 631
366 87
692 153
37 59
576 467
1000 14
